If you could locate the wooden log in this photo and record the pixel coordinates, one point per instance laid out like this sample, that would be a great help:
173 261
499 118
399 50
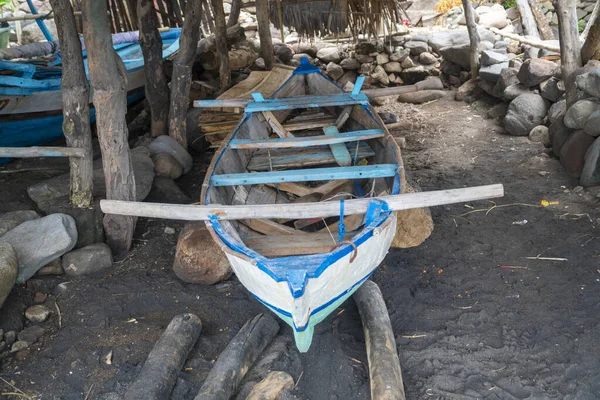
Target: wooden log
164 363
390 91
264 33
76 109
157 90
570 48
272 387
533 43
473 37
299 210
541 20
527 19
182 72
385 373
234 15
239 355
221 42
35 151
590 38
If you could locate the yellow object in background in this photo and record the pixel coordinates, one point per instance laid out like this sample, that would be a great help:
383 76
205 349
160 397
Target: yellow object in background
546 203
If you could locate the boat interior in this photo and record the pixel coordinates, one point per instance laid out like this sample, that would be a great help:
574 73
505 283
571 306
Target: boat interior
318 144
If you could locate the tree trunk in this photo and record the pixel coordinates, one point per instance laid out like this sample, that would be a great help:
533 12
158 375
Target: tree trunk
527 19
264 33
222 48
473 36
541 20
234 15
76 109
109 81
570 50
157 90
182 72
590 37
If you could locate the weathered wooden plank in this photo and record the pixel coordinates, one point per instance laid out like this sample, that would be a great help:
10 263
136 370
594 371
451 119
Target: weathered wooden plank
279 246
317 123
268 227
276 125
287 103
339 151
306 141
30 152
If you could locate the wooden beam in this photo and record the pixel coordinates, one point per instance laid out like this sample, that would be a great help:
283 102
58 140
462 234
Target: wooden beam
316 123
339 150
473 37
299 210
32 152
306 141
570 48
268 227
264 33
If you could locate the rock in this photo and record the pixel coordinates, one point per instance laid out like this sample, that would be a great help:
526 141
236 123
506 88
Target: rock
399 55
198 259
458 54
31 335
166 144
491 73
487 87
392 66
40 297
454 80
9 270
366 48
416 48
366 69
592 126
419 73
166 165
31 33
552 89
438 40
394 78
380 75
485 45
407 63
284 53
388 117
427 58
348 77
524 113
464 76
590 82
430 83
515 63
240 58
489 57
382 58
468 90
165 190
556 110
18 346
572 153
558 135
334 71
362 59
449 68
540 134
513 91
421 97
272 387
39 241
507 77
351 63
497 111
493 20
590 174
10 337
501 44
578 114
37 313
88 260
13 219
535 71
329 54
195 137
307 48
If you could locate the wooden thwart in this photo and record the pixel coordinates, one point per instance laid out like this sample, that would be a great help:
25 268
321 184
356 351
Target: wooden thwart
306 141
339 151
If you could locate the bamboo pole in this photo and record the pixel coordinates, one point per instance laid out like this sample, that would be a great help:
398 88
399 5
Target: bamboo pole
570 48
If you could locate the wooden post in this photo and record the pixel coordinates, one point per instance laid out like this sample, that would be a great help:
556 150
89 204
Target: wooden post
76 110
473 36
108 77
590 50
527 18
541 20
264 33
234 15
157 90
182 72
221 42
570 50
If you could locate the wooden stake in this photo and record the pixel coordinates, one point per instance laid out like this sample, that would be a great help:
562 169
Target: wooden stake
157 90
570 48
473 37
108 76
222 48
76 110
234 15
541 20
264 33
590 50
182 72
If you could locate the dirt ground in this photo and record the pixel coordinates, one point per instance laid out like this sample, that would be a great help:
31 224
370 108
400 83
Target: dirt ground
474 317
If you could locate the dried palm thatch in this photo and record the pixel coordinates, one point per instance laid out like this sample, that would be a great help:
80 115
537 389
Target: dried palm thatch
312 18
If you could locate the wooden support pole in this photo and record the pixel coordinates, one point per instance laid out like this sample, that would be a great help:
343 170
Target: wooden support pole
182 72
385 373
237 358
541 20
109 81
161 369
590 38
234 15
221 42
157 90
76 110
570 48
264 33
527 19
473 37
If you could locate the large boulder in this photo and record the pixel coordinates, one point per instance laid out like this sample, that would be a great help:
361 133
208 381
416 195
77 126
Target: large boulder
335 71
590 174
590 82
422 96
40 241
88 260
9 269
558 134
166 144
524 113
592 126
490 57
393 66
418 73
416 48
438 40
459 54
430 83
578 114
166 165
13 219
556 110
535 71
513 91
492 73
350 64
329 54
572 153
493 20
552 89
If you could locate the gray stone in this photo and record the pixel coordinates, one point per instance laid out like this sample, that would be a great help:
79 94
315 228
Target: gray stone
307 48
363 58
13 219
329 54
540 134
88 260
37 313
492 73
419 73
351 63
487 87
284 53
556 110
416 47
31 334
18 346
590 82
335 71
382 58
399 55
552 89
41 241
380 75
572 153
427 58
578 114
468 91
349 76
438 40
165 190
392 66
590 174
10 337
581 13
53 268
407 63
166 165
501 44
9 269
592 126
497 111
515 63
558 134
366 48
524 113
513 91
535 71
430 83
490 57
507 77
457 54
421 96
485 45
166 144
449 68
